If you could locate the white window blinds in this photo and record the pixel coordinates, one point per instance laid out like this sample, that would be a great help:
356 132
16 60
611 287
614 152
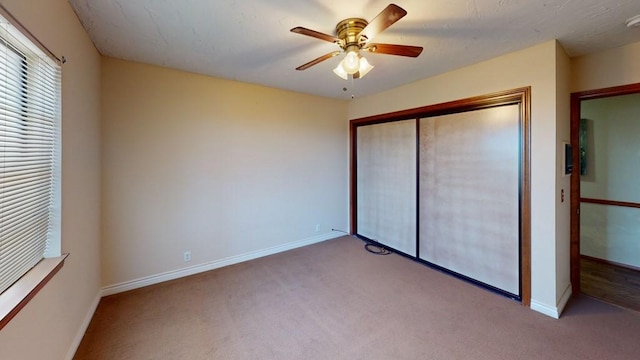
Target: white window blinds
30 93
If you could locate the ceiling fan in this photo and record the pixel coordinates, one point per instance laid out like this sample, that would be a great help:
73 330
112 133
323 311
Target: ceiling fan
353 36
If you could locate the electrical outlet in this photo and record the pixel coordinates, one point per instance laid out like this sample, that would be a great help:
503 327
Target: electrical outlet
317 227
187 256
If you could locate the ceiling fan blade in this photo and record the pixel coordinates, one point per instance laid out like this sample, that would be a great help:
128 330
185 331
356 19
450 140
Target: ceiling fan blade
386 18
318 60
316 34
391 49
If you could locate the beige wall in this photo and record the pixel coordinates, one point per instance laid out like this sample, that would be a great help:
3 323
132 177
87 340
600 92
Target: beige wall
537 67
50 326
217 167
618 66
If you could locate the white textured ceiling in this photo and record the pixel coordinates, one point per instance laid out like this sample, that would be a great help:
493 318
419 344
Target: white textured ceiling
250 41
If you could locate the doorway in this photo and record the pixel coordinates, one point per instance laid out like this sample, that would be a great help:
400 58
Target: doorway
605 202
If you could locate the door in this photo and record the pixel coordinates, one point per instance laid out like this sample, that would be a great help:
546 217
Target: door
609 198
469 199
386 184
605 198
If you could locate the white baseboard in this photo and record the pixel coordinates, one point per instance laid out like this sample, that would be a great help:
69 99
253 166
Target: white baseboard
83 327
175 274
553 311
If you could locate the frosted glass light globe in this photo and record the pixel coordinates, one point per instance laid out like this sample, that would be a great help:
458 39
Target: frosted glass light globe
351 62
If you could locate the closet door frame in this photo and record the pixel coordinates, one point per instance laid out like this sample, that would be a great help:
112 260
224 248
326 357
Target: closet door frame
520 96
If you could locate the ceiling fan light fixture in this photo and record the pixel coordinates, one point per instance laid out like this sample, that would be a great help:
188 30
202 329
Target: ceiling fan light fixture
351 62
365 67
353 35
340 71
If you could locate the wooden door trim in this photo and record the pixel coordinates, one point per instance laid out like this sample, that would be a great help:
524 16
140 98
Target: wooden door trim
576 99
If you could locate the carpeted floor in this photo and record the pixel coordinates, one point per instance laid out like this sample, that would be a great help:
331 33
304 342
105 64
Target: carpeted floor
334 300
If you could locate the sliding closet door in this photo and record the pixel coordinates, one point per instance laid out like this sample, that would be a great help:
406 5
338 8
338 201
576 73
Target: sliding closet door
469 202
386 184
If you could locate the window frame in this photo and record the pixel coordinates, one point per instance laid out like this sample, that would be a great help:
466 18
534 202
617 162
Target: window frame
17 295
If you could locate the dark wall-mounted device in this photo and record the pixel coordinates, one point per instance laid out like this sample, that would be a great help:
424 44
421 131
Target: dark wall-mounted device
568 159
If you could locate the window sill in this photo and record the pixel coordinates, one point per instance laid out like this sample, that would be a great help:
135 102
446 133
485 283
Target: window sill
19 294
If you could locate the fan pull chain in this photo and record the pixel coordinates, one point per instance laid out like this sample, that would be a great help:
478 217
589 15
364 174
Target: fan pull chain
353 85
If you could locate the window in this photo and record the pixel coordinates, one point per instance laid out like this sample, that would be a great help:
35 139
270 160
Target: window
30 103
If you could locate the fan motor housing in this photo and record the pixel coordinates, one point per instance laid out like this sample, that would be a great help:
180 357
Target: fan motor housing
348 30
